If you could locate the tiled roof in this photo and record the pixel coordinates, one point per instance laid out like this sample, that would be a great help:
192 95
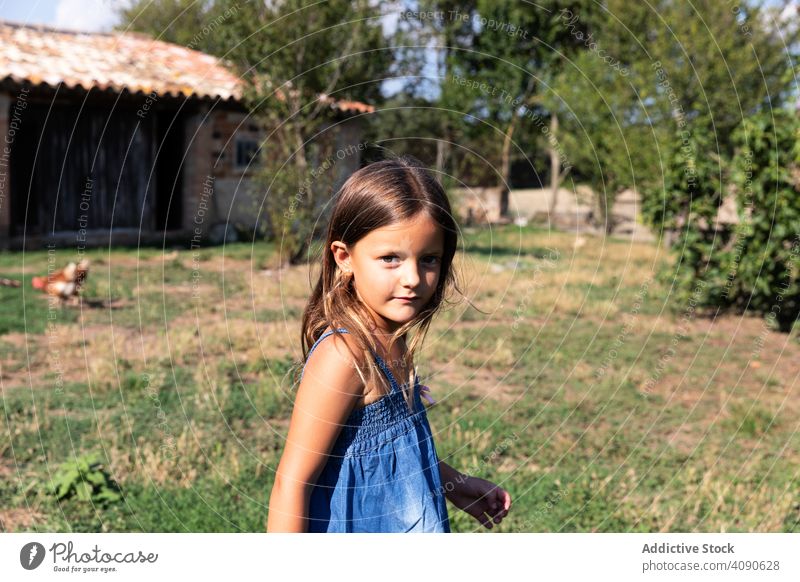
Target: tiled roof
349 106
116 61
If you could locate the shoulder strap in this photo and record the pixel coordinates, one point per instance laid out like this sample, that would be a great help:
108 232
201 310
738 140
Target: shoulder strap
387 372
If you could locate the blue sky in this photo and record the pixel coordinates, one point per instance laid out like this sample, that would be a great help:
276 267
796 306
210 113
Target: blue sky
74 14
86 15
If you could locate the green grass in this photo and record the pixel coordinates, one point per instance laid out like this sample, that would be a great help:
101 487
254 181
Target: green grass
26 310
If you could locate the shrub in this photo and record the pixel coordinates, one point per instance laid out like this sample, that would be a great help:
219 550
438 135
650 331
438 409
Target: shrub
85 478
763 261
754 266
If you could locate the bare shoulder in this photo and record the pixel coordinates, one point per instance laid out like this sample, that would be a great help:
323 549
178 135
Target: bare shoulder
333 364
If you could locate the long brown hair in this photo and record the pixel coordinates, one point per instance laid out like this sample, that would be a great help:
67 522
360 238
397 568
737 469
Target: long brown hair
378 195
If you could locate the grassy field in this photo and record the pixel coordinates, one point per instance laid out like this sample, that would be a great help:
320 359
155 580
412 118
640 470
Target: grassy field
578 384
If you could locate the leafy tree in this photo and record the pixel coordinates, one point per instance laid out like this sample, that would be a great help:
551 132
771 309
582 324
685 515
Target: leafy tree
698 69
495 60
655 78
605 131
719 74
177 21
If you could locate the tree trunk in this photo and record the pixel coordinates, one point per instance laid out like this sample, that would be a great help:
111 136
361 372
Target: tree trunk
555 165
302 234
610 215
505 166
441 155
605 203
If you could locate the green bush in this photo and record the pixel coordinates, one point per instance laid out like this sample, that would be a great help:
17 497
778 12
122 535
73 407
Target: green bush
762 263
85 478
754 266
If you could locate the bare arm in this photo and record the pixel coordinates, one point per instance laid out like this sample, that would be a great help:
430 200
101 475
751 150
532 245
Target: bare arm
486 502
326 396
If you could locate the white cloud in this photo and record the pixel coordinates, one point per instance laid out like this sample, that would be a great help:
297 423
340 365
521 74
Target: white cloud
87 15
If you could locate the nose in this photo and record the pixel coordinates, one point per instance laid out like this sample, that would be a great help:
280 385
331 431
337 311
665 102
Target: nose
410 276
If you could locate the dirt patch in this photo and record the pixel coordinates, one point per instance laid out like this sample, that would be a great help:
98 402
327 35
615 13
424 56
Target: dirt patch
15 518
18 340
133 261
18 519
483 383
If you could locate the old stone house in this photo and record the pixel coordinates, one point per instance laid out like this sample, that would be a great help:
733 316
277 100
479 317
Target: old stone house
116 138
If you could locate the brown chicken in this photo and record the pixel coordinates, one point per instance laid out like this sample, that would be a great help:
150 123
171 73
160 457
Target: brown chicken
64 283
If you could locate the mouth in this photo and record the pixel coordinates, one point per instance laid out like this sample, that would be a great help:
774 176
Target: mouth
407 299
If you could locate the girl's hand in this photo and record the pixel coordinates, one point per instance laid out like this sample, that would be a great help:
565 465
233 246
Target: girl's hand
482 499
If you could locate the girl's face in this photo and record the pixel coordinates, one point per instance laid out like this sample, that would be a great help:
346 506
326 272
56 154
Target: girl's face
392 263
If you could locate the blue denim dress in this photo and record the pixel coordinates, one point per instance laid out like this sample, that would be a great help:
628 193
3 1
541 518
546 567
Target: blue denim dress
382 474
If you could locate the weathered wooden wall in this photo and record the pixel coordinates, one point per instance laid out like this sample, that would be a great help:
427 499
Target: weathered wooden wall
78 165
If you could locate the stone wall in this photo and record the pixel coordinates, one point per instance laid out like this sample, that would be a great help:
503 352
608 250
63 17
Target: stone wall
573 209
241 201
198 173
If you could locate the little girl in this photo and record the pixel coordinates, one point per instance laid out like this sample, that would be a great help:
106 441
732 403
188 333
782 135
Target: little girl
359 455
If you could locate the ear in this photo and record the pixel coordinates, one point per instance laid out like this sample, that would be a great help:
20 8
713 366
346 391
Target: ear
341 255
